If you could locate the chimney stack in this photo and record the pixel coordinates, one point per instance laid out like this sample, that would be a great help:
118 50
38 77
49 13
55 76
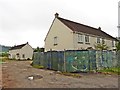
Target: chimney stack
99 28
56 15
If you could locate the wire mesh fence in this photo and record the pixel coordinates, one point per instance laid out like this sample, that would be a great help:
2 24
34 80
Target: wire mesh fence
76 60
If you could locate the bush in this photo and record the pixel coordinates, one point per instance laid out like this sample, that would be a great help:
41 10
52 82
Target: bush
115 70
4 54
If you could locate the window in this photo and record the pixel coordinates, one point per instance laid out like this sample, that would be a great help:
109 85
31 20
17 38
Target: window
55 41
80 38
87 39
17 55
103 41
9 55
98 40
113 43
23 56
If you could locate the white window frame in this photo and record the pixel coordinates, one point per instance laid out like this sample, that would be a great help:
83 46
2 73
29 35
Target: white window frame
98 40
87 39
103 41
113 43
55 40
80 38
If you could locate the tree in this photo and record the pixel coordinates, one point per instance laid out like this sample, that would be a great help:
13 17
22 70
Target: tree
118 46
101 46
39 49
42 49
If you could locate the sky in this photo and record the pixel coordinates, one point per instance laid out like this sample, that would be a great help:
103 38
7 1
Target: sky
24 21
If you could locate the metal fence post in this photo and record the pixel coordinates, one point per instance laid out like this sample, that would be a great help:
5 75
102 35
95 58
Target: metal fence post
64 61
58 59
89 60
118 58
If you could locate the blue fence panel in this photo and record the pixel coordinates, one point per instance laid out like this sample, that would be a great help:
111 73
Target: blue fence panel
76 60
54 60
61 61
92 60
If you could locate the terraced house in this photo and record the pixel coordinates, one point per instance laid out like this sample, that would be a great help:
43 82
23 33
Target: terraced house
21 52
70 35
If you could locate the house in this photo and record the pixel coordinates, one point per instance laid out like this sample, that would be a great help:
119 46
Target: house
70 35
21 52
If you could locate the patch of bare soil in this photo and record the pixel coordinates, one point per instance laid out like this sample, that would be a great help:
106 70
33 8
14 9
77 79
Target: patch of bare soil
19 74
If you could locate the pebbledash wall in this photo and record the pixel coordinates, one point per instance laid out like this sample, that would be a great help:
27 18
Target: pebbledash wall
76 60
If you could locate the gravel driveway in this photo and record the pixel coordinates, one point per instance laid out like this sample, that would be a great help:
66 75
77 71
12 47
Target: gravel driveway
15 75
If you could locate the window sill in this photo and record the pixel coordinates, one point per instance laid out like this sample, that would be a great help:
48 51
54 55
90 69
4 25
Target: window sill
55 44
80 42
87 43
98 43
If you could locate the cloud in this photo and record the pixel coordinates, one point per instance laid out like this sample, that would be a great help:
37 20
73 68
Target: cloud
30 20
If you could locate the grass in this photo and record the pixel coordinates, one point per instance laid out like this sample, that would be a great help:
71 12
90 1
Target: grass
115 70
62 73
3 59
71 74
38 66
0 60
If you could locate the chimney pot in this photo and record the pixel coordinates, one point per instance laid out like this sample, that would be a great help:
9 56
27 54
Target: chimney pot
99 28
56 15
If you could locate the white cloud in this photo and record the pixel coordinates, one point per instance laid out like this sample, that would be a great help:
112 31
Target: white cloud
29 20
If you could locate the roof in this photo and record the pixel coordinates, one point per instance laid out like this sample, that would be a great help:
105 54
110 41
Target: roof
18 46
78 27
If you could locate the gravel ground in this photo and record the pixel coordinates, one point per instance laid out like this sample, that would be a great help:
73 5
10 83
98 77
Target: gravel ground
0 76
15 75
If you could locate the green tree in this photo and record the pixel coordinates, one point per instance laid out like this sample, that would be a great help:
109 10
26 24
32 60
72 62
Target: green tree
39 49
101 47
118 46
4 54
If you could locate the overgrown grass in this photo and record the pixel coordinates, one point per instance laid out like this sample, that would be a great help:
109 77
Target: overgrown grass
71 74
38 66
62 73
115 70
3 59
0 61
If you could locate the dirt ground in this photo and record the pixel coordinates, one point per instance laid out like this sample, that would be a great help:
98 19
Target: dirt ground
15 75
0 76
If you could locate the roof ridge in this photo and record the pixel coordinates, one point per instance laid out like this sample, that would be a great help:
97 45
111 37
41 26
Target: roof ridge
78 23
75 26
17 46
